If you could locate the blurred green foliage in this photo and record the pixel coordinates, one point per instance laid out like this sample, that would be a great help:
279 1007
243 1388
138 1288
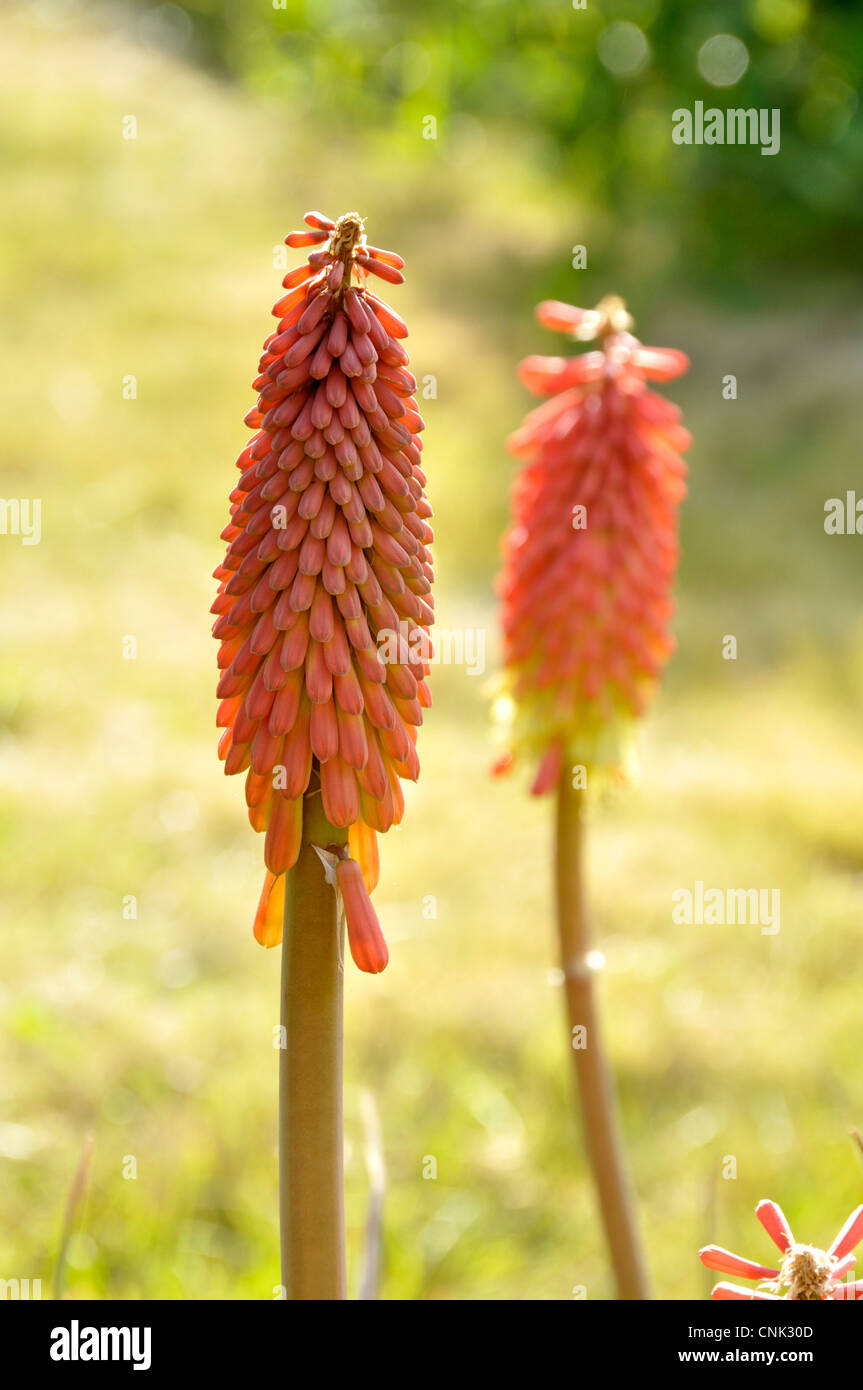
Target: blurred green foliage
594 88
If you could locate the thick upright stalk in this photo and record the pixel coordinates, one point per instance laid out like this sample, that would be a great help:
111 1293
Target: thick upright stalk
593 1075
311 1179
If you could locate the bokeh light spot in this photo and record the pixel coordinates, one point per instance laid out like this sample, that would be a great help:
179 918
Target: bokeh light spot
779 19
622 48
723 60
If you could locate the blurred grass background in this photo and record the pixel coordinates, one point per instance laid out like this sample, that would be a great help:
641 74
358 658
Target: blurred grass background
153 258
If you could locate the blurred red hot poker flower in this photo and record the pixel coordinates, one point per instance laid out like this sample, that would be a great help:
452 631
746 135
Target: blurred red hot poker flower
592 551
588 565
805 1274
324 600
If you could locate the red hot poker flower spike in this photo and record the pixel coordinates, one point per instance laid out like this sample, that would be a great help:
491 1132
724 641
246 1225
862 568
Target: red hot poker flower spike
324 600
592 551
806 1274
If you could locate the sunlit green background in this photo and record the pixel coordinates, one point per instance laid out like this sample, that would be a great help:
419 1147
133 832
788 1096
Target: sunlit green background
154 258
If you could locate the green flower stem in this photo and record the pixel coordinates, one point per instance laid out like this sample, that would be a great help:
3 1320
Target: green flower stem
311 1176
592 1072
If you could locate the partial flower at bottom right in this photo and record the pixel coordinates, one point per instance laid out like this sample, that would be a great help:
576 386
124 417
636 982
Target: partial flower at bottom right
805 1273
